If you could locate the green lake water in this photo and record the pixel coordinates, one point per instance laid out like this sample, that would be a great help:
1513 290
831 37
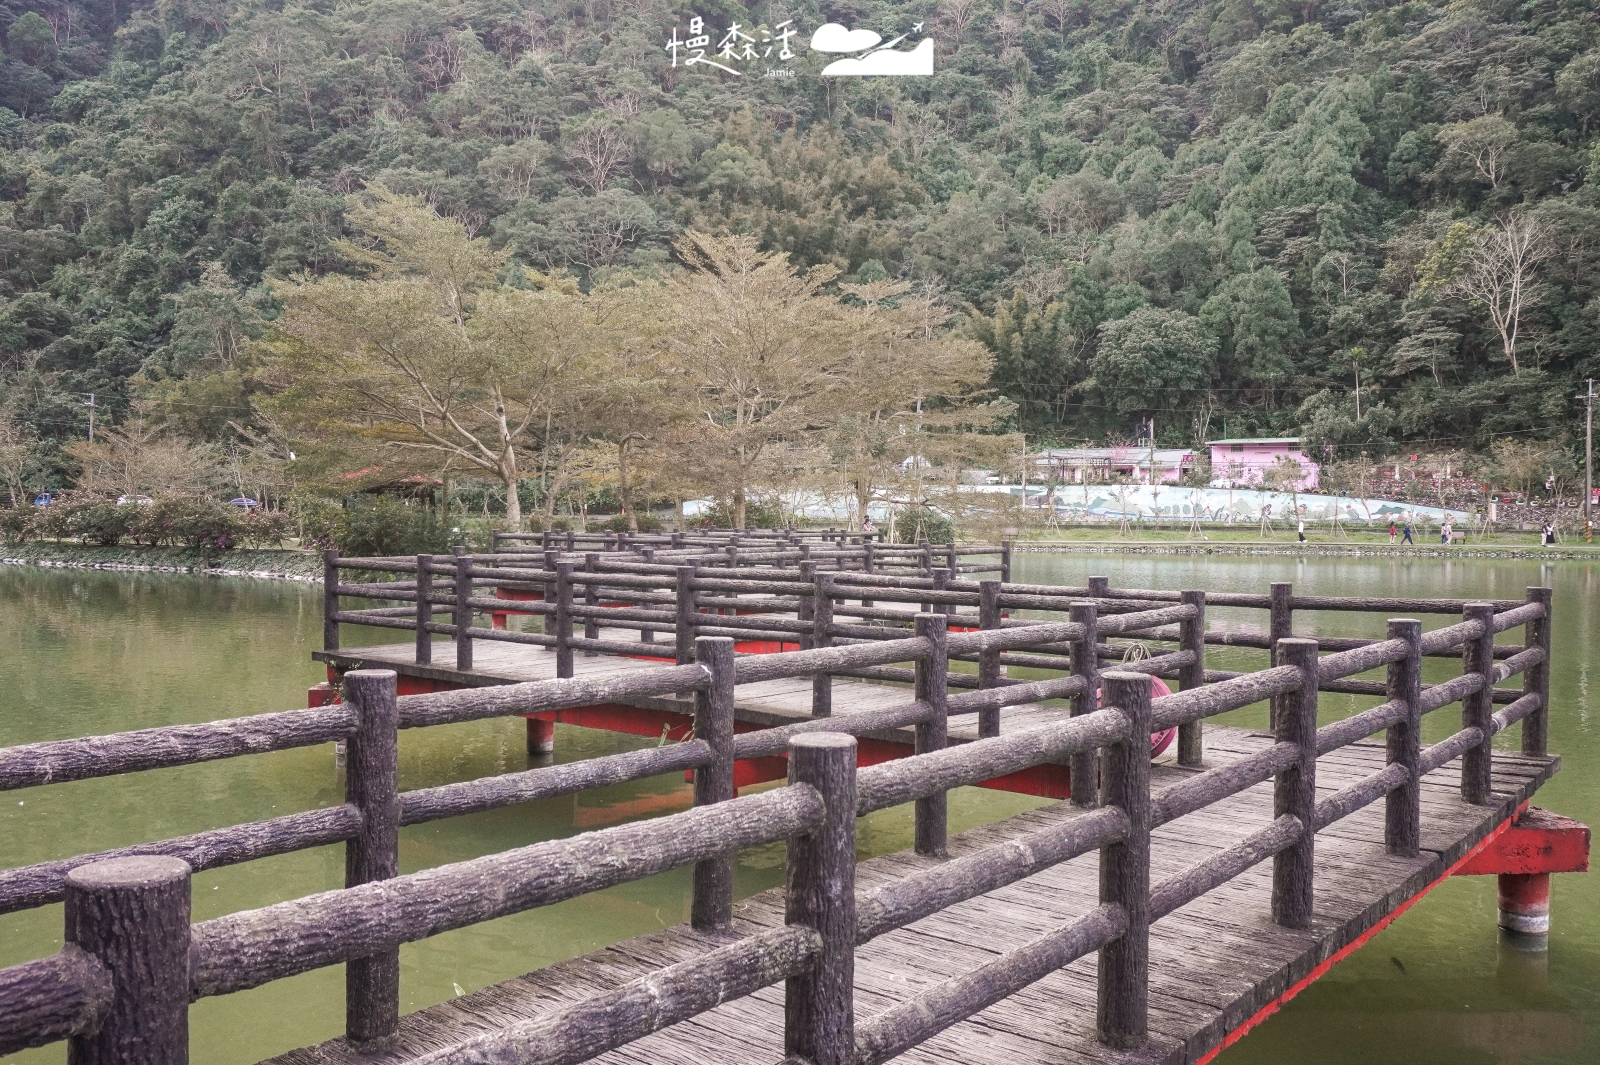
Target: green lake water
88 652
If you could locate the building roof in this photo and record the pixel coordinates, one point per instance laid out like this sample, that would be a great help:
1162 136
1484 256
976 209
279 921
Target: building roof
1255 440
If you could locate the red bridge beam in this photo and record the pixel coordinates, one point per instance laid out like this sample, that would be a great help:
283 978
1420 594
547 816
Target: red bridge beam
1535 845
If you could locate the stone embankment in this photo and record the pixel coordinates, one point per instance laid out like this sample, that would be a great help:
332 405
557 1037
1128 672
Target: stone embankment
1307 550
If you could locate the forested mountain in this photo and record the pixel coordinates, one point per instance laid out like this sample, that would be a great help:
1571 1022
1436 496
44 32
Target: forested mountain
1370 222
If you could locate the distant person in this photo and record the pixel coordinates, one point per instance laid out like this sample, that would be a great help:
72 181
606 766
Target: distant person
1444 533
1547 535
868 528
1302 530
1393 530
1405 531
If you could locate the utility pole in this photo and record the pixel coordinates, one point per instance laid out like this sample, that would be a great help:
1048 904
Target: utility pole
91 407
1150 474
1588 459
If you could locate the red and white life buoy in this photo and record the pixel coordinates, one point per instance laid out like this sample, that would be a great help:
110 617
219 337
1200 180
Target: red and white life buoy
1159 741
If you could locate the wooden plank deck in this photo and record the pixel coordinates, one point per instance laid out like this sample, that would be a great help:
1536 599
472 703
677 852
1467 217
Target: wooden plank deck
1214 963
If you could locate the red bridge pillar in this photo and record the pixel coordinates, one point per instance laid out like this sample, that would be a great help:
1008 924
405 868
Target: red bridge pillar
1537 844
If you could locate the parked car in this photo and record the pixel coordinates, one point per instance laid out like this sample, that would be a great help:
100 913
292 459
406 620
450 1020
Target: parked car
245 503
143 501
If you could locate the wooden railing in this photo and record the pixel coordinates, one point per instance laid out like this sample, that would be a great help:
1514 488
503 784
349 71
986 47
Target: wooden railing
132 904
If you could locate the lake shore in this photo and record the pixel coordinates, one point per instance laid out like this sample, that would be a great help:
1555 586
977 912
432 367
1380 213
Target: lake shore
280 565
306 566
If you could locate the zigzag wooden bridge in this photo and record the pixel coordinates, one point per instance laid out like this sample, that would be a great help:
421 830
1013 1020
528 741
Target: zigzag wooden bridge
1206 892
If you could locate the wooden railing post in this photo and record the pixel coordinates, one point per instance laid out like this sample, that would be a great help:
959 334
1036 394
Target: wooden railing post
371 785
1123 987
424 609
1295 790
463 613
1477 709
990 671
1402 807
712 903
563 618
1192 638
549 624
1099 587
819 1012
330 599
132 914
950 562
868 561
494 541
1536 678
821 624
804 611
941 582
1083 766
683 623
591 599
1280 621
932 686
925 558
1005 561
572 541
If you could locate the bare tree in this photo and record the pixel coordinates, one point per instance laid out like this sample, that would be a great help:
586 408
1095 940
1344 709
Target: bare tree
598 153
1482 142
16 445
137 458
1500 274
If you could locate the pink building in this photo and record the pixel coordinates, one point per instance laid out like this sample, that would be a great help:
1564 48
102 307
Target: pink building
1242 463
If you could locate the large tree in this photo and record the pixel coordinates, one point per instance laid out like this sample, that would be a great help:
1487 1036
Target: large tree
427 360
762 348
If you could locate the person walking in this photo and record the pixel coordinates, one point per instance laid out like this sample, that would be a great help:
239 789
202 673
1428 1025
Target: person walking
1393 531
1302 530
1547 535
1406 532
1444 534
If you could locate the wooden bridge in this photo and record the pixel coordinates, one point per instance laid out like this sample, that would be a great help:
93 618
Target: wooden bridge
1206 892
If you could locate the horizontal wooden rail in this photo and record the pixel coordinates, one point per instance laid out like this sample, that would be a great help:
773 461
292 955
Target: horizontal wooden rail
575 1033
247 949
512 789
55 761
44 1001
930 1012
1185 887
30 886
909 779
914 897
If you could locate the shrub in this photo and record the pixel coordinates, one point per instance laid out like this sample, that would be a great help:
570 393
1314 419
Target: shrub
372 525
923 523
102 523
188 522
648 523
17 524
265 528
756 516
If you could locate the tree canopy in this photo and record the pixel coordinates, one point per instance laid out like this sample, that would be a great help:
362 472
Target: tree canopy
1136 210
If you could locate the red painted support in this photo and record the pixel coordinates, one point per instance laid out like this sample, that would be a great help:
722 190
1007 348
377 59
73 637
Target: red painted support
498 618
1537 844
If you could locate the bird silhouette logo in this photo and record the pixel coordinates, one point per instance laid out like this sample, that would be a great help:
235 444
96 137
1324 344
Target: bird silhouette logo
876 60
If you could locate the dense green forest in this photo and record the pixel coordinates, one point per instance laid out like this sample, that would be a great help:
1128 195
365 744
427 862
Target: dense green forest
1367 222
